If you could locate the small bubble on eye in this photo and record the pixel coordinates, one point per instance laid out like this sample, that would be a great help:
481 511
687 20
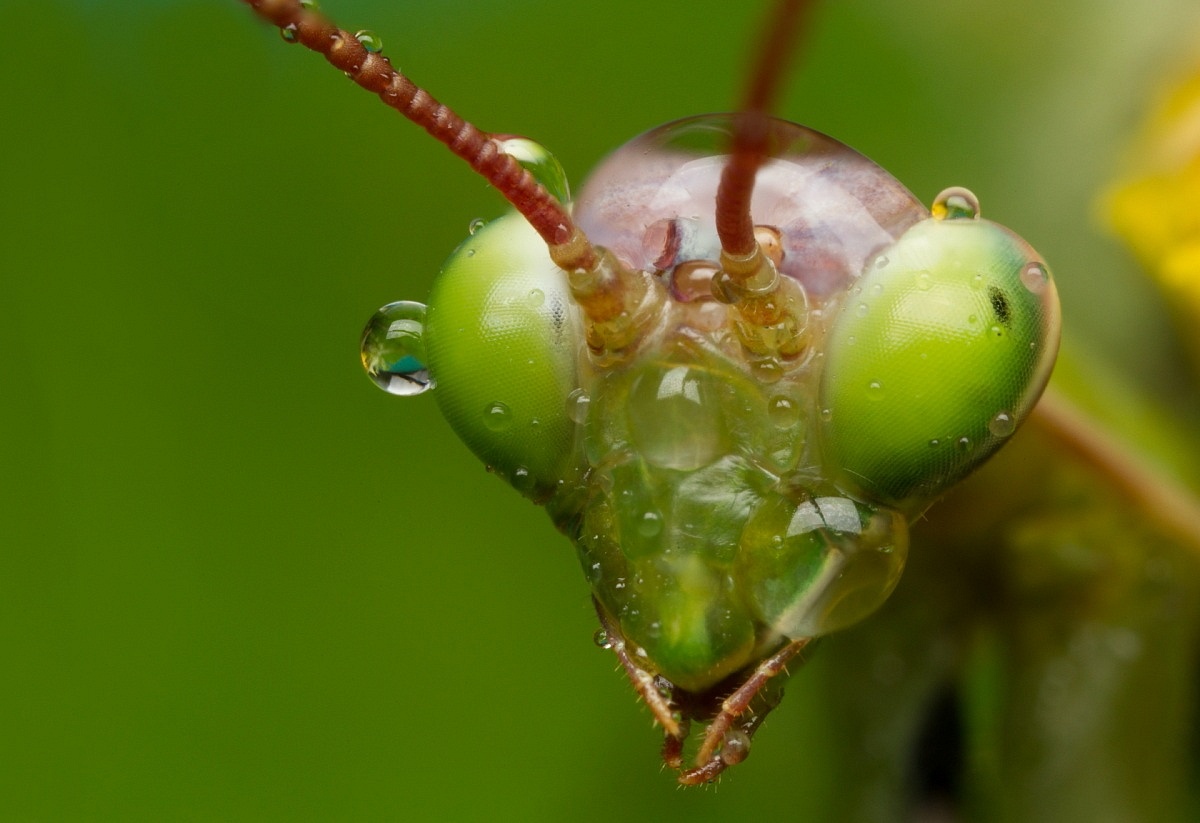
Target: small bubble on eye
393 349
881 261
1035 277
783 411
578 403
955 203
862 310
371 41
963 444
977 281
1002 424
996 332
875 390
877 289
826 415
601 639
475 225
924 281
497 416
536 298
521 480
934 443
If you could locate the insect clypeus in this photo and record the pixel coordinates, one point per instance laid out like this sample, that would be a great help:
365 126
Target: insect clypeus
732 371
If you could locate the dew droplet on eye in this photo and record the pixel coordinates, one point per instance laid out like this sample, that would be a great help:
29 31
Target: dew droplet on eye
875 390
497 416
393 349
370 41
475 225
826 415
539 162
1002 425
963 444
862 310
924 280
955 203
536 298
1035 277
521 480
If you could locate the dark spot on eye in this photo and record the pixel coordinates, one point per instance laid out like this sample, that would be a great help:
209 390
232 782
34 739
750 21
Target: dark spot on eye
558 319
1000 306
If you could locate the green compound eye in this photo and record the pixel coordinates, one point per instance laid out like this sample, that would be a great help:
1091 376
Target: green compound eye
937 355
502 340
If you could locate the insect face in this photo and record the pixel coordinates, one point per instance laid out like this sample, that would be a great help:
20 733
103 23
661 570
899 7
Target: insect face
731 371
721 500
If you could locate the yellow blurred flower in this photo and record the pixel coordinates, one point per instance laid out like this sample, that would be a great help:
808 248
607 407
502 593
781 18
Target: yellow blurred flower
1158 211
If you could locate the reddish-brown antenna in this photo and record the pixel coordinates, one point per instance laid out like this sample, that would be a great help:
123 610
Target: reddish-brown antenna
618 302
772 310
375 73
776 45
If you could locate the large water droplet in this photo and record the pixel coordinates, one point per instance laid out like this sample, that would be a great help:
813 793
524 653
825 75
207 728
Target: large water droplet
955 203
371 41
475 225
538 161
601 639
393 349
311 5
290 33
675 419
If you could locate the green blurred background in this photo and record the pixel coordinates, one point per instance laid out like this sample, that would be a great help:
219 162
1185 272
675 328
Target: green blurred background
237 582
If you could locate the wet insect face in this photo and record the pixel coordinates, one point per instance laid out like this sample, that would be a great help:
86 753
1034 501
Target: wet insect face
731 405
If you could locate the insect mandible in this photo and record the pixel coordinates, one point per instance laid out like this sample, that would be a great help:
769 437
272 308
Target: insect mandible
732 369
